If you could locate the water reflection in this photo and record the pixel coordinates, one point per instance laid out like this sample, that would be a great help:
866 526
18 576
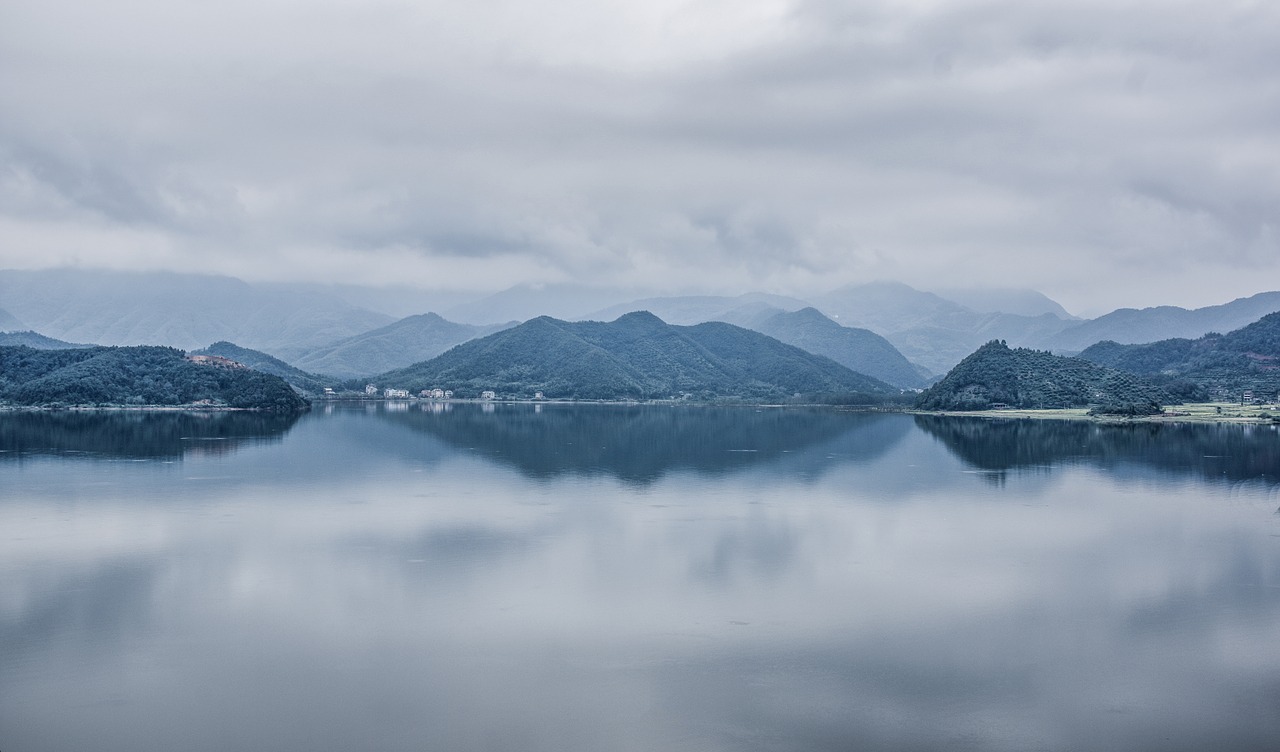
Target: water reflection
465 587
640 444
1218 452
140 435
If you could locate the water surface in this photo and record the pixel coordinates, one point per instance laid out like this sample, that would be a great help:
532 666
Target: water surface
614 578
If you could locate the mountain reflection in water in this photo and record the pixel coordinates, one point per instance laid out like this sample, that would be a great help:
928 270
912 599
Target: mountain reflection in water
1215 452
639 443
136 434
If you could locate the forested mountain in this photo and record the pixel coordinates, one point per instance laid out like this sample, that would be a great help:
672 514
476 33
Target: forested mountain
178 310
637 356
1031 379
859 350
133 376
299 379
1220 365
407 341
35 340
1133 326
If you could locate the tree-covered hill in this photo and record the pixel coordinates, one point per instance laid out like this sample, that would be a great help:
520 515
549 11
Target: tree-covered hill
1247 358
299 379
35 340
860 350
1032 379
637 356
133 376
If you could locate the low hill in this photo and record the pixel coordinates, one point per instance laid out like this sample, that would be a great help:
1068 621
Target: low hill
259 361
1221 365
1031 379
396 345
859 350
35 340
133 375
638 356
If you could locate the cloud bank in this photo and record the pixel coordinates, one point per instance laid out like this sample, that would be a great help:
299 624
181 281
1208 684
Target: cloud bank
1106 154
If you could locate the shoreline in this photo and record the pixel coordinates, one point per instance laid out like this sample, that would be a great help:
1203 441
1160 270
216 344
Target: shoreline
1196 412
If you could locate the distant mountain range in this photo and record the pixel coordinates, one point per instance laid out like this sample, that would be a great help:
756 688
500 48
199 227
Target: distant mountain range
178 310
1133 326
396 345
637 356
349 331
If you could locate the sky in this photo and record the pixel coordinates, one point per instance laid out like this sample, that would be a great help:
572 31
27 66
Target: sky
1105 153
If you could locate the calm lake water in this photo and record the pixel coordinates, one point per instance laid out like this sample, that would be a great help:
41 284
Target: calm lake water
634 578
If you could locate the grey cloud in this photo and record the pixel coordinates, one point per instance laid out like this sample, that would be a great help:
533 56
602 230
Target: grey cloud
967 143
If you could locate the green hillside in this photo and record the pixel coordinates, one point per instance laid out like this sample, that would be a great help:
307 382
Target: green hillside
133 376
861 350
1032 379
259 361
1215 365
637 356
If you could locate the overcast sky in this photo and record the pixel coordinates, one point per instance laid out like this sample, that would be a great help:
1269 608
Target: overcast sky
1105 153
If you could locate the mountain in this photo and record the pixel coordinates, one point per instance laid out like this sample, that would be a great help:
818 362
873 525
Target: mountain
695 309
396 345
523 302
638 356
299 379
1221 365
178 310
928 329
134 375
35 341
1134 326
859 350
9 322
1032 379
1005 300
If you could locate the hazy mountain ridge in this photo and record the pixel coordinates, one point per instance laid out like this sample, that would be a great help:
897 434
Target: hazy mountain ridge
1137 326
636 356
859 350
402 343
177 310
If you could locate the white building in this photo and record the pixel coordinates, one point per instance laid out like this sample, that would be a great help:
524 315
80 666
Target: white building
487 395
370 390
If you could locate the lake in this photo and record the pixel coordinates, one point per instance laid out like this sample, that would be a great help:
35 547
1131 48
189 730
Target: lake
561 577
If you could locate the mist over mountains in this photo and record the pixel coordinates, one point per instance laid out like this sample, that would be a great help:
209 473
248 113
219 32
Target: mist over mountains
888 330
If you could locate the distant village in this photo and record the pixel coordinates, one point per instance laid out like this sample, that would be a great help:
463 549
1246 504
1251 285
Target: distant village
371 391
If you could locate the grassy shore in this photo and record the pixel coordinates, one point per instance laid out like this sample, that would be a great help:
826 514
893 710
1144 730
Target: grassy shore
1199 412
